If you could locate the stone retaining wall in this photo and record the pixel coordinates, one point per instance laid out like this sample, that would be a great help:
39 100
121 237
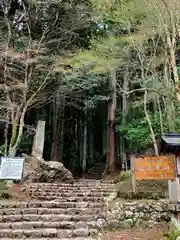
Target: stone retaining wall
129 214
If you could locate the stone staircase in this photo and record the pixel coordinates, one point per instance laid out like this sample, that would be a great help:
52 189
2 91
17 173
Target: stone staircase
56 211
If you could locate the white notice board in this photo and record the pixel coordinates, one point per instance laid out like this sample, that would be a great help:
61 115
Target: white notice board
11 168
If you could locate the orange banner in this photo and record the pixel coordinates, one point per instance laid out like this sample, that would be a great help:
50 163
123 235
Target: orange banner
154 168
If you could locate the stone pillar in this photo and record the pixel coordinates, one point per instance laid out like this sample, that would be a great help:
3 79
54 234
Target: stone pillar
38 144
174 191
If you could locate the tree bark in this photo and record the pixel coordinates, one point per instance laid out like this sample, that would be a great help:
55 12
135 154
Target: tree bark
160 115
91 154
61 141
57 146
125 100
84 157
81 140
156 151
124 116
168 103
172 45
105 140
111 161
13 149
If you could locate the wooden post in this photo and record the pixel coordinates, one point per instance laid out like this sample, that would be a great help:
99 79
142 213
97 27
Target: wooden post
132 157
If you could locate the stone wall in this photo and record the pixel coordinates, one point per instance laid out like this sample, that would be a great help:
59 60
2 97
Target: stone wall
129 214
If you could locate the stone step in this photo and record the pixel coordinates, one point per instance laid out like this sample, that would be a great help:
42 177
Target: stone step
50 224
82 179
49 204
71 199
48 217
70 185
48 232
85 184
76 184
69 194
69 189
41 211
44 238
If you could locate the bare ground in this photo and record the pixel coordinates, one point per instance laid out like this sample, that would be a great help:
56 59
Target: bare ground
157 232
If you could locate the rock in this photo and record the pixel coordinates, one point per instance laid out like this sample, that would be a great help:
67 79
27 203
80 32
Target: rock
114 224
136 216
39 170
128 214
55 172
140 223
128 223
158 208
111 197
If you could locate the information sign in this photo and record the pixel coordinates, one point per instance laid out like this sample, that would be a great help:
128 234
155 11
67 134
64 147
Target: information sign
11 168
154 168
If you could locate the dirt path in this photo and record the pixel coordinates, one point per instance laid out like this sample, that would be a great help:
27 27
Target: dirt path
154 233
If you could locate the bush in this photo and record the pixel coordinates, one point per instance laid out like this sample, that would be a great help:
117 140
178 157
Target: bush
174 229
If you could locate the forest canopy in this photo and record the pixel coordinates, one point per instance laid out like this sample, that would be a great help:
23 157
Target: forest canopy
103 74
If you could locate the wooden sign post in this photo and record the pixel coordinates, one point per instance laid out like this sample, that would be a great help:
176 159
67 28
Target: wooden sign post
153 168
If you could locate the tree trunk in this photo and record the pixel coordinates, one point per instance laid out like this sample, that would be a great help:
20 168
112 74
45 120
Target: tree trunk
168 103
55 121
61 141
160 115
124 116
13 149
170 115
150 125
125 100
112 140
81 127
84 157
105 140
172 47
55 153
171 43
111 162
6 129
91 154
58 130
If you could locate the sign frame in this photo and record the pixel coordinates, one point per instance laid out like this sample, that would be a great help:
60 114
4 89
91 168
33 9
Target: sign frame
4 160
166 158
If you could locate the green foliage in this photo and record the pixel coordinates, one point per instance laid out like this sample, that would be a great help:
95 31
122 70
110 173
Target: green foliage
178 68
124 175
26 144
91 101
175 229
137 132
20 44
2 149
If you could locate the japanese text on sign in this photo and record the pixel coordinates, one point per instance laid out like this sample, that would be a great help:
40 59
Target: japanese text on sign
150 168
